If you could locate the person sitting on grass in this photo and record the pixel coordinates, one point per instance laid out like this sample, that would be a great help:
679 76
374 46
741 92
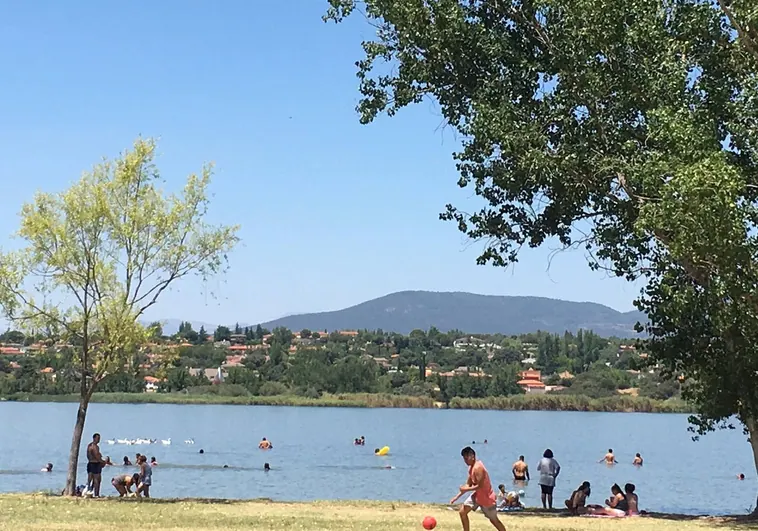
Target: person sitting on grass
124 483
616 505
576 502
632 500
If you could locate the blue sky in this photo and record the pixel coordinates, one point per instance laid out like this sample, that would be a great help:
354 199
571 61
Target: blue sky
333 213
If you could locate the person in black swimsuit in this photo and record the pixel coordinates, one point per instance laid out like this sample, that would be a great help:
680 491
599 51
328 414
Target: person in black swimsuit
95 466
520 470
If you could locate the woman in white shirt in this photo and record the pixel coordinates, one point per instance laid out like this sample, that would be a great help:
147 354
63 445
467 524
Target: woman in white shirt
549 470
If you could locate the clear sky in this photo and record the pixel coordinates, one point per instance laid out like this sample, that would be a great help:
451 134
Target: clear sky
333 213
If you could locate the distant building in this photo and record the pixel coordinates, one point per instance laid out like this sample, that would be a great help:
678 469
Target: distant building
531 381
151 384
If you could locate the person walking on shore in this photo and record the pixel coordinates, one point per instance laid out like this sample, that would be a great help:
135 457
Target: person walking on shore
549 469
482 496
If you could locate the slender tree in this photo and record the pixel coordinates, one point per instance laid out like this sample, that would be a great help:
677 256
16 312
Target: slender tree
99 254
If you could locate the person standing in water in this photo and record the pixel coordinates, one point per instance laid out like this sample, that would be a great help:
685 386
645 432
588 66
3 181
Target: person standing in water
637 460
609 458
95 466
520 470
145 477
482 496
549 469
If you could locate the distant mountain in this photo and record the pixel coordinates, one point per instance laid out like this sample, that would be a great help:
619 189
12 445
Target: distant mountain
481 314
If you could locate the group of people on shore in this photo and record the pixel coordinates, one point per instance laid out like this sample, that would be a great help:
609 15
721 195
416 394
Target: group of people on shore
478 487
123 483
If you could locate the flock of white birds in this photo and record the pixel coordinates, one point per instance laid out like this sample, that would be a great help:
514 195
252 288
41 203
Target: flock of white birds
129 442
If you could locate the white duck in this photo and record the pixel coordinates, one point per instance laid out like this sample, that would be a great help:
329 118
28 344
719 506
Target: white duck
166 441
111 441
189 441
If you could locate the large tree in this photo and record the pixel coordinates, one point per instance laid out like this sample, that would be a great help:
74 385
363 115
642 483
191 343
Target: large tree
98 255
628 128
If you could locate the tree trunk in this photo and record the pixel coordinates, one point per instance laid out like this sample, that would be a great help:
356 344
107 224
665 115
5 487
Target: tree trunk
76 444
752 428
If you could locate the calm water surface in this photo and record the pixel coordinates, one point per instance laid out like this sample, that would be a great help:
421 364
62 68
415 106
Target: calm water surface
314 457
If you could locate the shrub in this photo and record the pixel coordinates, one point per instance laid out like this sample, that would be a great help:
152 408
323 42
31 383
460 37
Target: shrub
273 389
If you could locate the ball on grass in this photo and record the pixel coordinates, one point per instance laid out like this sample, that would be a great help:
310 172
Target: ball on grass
429 523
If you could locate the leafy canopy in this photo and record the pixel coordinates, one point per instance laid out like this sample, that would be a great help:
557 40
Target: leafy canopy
98 255
625 127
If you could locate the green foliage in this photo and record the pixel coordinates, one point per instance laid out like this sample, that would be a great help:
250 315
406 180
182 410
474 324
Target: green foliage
109 246
627 128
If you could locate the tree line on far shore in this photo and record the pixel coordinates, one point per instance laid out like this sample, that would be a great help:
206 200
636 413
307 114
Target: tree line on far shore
309 364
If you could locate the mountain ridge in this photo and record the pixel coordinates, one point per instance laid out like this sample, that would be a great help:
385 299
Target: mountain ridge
404 311
408 310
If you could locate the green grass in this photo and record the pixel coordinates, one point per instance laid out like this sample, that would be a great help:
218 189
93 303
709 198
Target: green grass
47 513
368 400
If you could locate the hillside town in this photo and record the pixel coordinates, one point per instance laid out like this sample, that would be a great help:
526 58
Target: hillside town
441 365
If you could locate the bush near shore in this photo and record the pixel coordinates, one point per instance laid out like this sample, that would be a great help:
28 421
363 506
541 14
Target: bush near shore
368 400
626 404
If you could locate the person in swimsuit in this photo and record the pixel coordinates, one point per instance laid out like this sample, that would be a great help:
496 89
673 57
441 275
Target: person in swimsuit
126 461
124 483
95 466
482 496
632 499
153 462
578 499
609 458
265 444
48 468
520 470
145 477
616 505
637 460
549 470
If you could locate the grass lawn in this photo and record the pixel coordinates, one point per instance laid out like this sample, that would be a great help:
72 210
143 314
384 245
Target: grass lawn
47 513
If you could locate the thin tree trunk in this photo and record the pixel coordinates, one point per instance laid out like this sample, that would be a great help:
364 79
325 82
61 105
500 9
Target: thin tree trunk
76 444
752 428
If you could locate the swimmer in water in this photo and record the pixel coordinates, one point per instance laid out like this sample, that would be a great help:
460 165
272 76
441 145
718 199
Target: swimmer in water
609 458
126 461
201 451
153 462
741 477
48 468
266 467
637 460
265 444
520 470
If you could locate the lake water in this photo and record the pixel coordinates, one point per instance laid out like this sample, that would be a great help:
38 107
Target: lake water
314 457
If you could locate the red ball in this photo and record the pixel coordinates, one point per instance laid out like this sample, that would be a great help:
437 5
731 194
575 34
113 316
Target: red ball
429 522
